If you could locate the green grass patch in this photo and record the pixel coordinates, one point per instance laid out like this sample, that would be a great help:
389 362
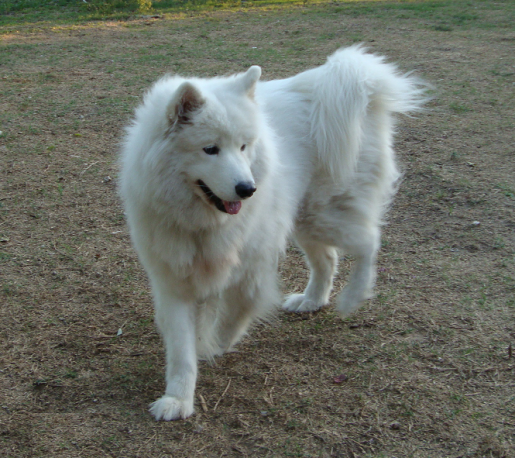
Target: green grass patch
507 190
459 108
445 15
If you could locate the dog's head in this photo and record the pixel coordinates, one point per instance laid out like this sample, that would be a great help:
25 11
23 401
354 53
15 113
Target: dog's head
213 125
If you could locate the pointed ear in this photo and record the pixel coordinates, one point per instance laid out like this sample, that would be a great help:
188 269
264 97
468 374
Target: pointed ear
186 100
249 80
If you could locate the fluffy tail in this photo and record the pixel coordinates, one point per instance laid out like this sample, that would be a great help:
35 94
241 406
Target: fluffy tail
342 91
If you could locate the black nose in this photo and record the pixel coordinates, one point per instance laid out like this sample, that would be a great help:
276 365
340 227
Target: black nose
245 190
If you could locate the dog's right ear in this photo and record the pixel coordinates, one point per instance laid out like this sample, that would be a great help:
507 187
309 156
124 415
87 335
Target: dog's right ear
185 102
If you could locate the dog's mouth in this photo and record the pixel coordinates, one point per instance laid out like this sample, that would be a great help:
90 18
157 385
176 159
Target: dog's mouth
223 205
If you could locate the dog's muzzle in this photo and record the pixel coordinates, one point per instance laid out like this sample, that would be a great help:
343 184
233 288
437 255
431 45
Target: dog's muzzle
243 190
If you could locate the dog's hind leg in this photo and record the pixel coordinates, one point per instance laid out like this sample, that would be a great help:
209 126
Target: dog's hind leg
235 321
363 246
322 260
341 226
252 299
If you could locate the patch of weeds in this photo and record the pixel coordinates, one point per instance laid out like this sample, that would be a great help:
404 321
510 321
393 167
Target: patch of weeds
467 351
442 331
327 36
502 74
292 424
507 191
478 415
293 448
457 108
443 28
440 195
454 156
499 243
483 302
110 442
459 398
356 38
5 256
453 413
385 299
23 106
48 77
70 374
406 332
474 202
407 411
8 290
107 7
303 405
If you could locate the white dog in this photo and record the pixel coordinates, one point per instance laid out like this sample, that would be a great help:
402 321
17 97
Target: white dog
218 173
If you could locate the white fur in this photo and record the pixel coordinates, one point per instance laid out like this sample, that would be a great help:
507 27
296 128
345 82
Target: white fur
318 148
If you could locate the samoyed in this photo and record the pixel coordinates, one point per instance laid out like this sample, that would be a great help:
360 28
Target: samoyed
217 173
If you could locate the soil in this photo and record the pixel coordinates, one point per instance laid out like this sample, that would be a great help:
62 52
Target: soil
425 369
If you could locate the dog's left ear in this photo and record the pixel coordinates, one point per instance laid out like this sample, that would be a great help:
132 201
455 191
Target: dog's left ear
249 80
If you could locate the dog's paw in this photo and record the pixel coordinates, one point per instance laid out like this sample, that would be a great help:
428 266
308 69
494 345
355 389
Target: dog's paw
348 302
171 408
298 303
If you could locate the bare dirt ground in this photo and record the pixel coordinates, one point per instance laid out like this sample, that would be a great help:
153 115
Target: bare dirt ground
425 369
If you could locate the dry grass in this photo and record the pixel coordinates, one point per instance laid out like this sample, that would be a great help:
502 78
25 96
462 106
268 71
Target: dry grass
424 370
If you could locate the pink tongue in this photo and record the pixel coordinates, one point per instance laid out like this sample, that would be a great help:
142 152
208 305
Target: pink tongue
232 207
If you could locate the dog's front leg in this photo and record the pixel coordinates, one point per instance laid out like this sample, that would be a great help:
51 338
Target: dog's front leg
175 319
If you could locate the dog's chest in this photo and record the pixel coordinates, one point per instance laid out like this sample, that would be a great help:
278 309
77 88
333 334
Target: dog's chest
204 263
212 270
207 267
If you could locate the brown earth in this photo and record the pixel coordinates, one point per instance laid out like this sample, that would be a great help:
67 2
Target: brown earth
425 369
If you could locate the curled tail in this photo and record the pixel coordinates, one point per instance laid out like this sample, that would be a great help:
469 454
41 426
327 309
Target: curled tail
342 92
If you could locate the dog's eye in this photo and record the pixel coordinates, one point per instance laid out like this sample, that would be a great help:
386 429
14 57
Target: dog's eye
211 150
243 147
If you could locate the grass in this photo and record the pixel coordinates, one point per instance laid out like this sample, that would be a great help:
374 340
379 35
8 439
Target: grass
442 15
507 190
459 108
